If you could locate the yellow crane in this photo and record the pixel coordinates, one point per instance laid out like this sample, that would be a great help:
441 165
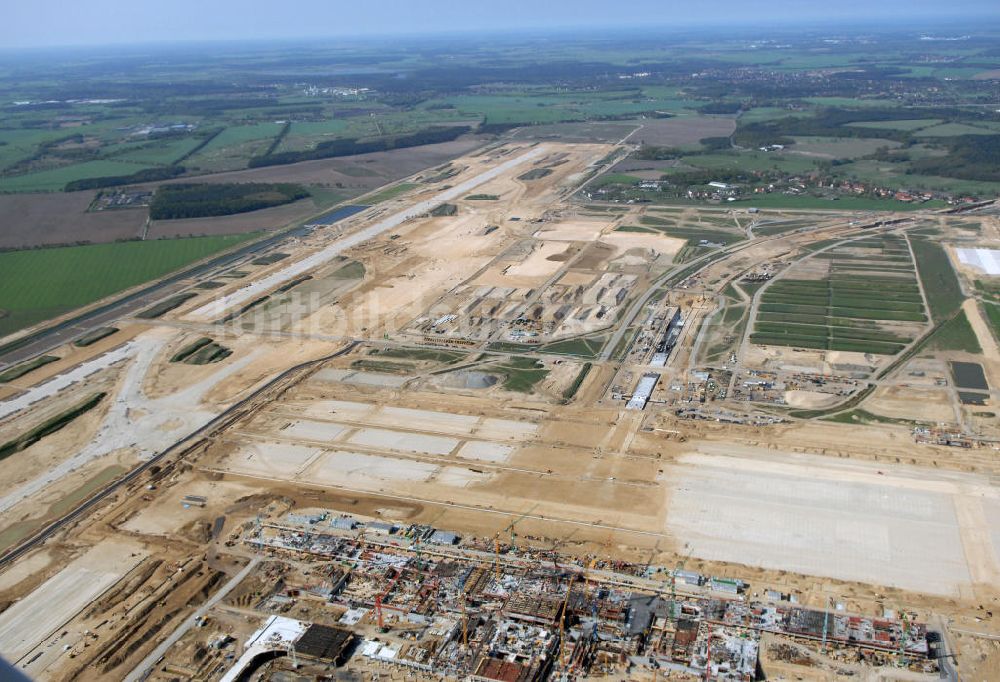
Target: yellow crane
496 557
562 622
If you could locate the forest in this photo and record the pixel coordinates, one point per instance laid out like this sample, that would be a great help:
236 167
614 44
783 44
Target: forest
202 200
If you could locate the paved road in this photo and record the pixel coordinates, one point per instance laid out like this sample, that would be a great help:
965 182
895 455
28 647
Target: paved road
143 669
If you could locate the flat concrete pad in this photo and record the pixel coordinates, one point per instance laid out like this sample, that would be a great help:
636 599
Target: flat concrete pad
404 442
426 420
356 469
277 460
817 517
485 451
310 430
460 477
505 429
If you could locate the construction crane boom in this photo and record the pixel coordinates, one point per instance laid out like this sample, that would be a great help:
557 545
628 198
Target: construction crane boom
510 527
562 622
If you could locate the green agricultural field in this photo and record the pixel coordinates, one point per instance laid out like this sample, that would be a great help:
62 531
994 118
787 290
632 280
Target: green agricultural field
840 147
993 317
521 373
955 334
322 129
53 180
40 284
537 107
582 347
234 146
941 285
157 152
851 102
752 160
953 129
757 114
840 204
843 312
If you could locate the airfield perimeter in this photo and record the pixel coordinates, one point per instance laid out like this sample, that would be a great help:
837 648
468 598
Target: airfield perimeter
461 356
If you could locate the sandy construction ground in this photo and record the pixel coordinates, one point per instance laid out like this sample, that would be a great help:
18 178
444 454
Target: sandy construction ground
573 230
440 424
434 421
543 262
151 404
662 244
347 376
810 399
589 230
216 308
31 620
920 404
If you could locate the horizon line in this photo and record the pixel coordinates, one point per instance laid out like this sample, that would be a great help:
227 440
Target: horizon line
930 23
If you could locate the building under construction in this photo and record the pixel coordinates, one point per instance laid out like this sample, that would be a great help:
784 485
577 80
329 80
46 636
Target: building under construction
478 610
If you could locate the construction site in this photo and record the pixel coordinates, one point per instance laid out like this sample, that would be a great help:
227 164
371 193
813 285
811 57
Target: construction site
491 430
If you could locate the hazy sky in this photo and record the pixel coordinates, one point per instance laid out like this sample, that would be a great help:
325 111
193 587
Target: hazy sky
28 23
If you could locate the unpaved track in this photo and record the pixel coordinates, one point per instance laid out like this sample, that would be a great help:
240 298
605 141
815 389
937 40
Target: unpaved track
143 669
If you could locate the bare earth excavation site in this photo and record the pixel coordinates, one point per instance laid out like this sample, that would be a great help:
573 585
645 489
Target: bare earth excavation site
433 427
498 410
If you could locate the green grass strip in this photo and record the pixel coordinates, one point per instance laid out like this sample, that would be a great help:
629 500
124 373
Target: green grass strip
18 371
49 426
